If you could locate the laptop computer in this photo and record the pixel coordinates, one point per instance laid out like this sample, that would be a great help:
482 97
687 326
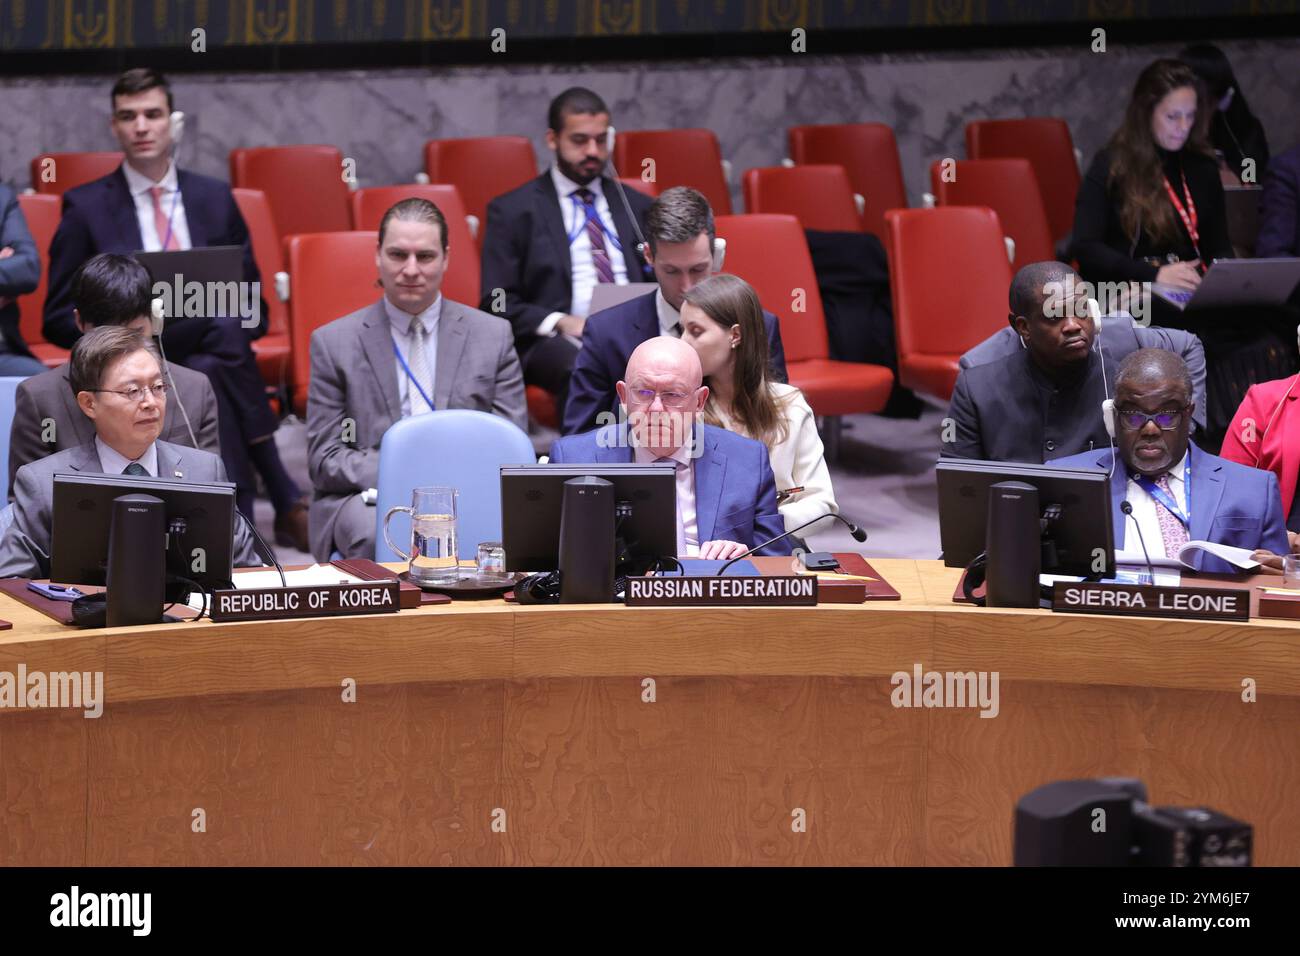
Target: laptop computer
1236 283
211 266
606 295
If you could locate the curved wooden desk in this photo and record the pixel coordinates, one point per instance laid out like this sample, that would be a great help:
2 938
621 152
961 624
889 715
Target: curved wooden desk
472 709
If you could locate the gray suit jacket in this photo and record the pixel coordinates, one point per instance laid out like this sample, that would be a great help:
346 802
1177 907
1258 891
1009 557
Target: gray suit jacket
25 547
354 377
1004 409
49 396
1120 336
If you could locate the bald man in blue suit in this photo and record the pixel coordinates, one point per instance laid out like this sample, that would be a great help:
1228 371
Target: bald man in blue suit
726 494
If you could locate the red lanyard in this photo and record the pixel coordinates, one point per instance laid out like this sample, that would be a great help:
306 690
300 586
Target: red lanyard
1188 214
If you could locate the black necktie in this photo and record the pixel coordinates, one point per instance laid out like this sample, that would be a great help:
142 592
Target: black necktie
135 470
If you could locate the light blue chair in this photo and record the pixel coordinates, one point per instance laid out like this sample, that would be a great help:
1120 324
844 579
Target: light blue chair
8 389
455 448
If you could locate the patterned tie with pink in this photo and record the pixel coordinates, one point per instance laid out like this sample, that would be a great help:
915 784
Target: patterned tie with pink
599 254
1171 529
167 240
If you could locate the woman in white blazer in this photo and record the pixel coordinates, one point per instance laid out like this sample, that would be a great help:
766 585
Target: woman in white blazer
723 321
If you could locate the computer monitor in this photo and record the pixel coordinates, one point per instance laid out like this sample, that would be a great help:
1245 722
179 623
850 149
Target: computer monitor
1082 528
532 497
199 515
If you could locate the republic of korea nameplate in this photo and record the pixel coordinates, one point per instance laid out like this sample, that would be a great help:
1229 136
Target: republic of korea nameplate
322 600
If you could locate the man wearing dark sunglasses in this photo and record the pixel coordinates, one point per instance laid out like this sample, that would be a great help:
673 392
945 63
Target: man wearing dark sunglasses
1178 493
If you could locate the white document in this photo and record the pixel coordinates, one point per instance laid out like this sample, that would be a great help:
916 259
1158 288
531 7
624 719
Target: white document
315 576
1238 557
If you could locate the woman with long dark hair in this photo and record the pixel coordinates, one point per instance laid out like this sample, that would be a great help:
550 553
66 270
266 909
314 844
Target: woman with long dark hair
723 321
1235 133
1151 210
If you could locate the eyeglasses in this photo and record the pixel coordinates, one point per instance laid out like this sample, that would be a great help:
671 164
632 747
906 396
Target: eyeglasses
134 393
646 396
1134 420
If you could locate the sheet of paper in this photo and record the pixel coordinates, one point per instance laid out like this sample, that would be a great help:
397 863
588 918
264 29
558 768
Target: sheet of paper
1140 574
314 576
1239 557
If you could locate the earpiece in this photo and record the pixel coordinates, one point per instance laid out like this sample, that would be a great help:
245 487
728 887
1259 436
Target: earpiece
158 311
1094 310
609 139
177 121
1108 416
720 254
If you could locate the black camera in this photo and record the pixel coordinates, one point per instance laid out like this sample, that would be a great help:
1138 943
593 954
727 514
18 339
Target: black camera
1109 822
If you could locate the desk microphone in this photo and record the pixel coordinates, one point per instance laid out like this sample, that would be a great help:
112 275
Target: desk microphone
858 535
1127 508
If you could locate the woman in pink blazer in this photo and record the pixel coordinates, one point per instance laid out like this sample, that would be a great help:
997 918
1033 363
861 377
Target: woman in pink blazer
1265 433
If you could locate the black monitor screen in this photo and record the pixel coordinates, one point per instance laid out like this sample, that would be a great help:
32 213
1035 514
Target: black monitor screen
1080 534
83 512
532 497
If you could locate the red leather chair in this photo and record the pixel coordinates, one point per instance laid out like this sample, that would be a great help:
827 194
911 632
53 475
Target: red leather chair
682 157
70 170
818 196
949 276
771 254
333 274
42 213
461 281
1044 141
481 168
304 185
272 350
869 154
1009 188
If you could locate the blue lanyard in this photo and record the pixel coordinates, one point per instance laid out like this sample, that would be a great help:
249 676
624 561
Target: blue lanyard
588 214
406 368
1149 486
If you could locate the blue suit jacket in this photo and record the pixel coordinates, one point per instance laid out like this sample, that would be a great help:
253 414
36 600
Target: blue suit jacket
1279 207
100 217
735 493
1231 504
19 273
608 340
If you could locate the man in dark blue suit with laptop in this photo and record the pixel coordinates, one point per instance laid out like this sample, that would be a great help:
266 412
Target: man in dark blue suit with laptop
149 204
726 494
1177 492
683 252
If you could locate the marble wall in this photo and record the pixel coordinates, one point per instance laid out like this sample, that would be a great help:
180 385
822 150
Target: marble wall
382 118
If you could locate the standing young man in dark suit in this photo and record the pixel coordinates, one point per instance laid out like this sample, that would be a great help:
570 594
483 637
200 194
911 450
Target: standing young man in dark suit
550 242
149 204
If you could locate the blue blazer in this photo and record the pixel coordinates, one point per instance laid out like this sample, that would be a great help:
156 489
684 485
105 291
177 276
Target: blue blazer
608 340
735 493
100 217
1231 504
19 273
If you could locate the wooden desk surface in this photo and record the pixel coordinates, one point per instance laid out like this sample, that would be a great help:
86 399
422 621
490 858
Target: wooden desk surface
468 708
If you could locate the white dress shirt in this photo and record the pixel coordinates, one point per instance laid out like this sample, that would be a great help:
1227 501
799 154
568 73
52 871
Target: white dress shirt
583 275
797 462
688 532
399 324
1144 510
173 206
670 320
113 463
